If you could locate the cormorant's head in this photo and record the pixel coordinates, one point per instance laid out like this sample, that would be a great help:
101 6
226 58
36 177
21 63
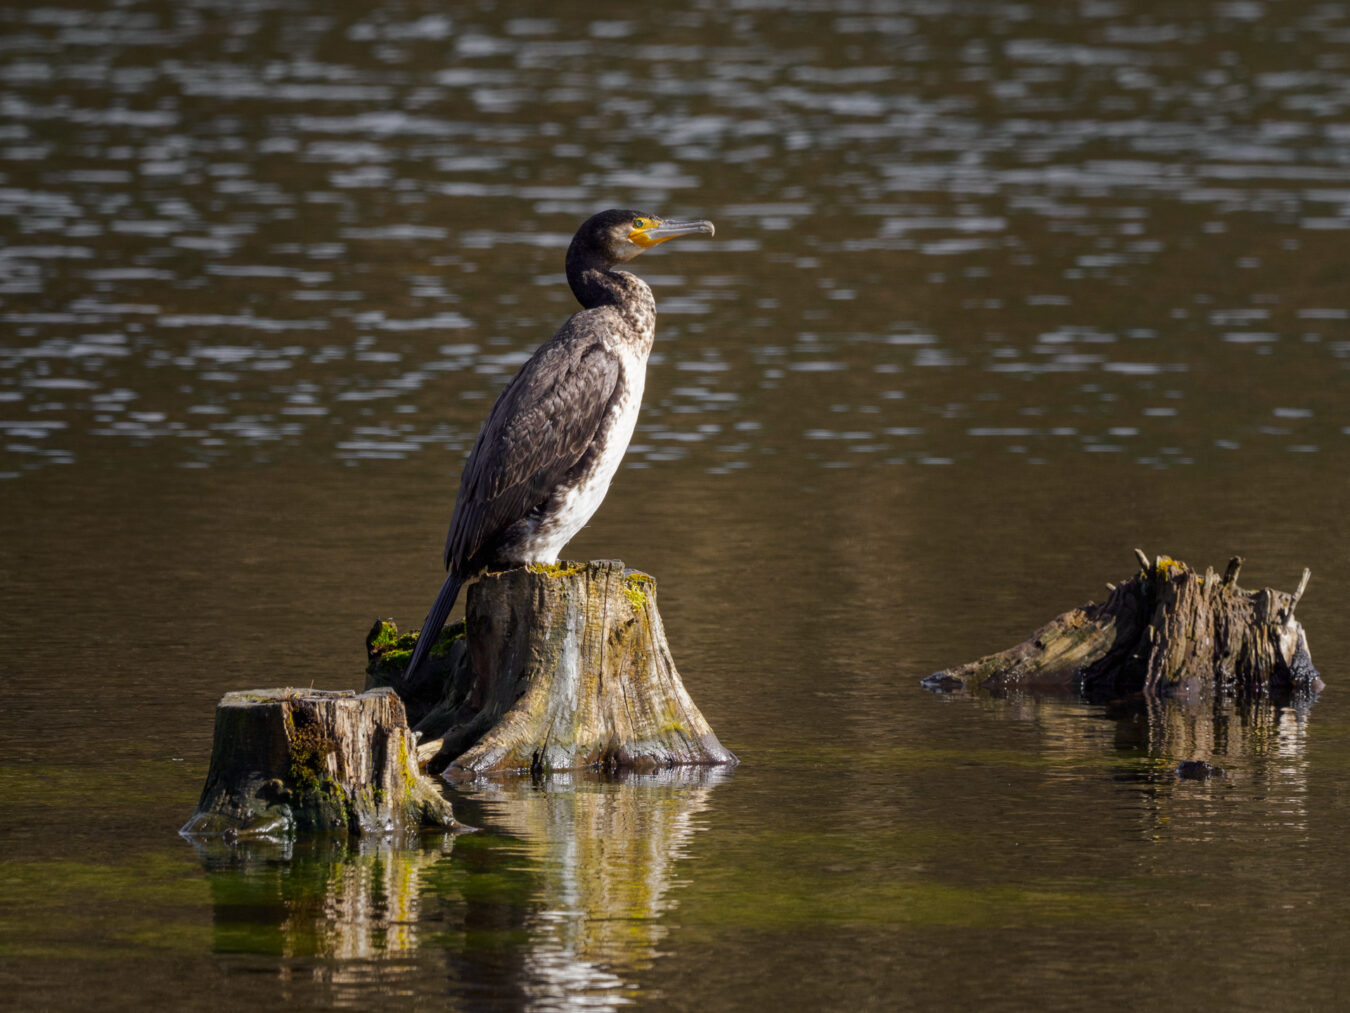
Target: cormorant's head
618 236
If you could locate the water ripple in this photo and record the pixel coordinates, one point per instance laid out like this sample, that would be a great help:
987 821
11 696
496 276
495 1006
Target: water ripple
301 232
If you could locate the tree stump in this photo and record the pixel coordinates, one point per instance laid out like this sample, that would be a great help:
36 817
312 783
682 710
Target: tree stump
554 668
1166 631
310 759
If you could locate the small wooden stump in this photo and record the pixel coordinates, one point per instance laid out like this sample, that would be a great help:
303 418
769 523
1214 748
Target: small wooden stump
310 759
1166 631
554 668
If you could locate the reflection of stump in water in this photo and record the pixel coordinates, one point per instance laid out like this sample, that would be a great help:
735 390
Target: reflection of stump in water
321 896
1196 770
1211 770
1167 631
1205 682
606 846
554 668
1231 736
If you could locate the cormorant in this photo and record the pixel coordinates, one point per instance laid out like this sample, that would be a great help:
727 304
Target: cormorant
555 436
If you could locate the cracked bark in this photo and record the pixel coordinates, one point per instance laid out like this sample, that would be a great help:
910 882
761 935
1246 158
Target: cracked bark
286 760
554 668
1167 631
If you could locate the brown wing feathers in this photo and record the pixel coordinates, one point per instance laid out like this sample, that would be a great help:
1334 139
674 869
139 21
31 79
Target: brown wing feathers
541 426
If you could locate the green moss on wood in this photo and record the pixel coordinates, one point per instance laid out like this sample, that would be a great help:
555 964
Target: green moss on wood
310 750
635 592
446 639
383 635
561 568
1166 568
388 651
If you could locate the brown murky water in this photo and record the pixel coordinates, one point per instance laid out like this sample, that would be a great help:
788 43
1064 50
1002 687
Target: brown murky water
999 292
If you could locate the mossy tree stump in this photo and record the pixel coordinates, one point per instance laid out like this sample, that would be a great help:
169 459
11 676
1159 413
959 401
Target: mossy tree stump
554 668
1166 631
305 759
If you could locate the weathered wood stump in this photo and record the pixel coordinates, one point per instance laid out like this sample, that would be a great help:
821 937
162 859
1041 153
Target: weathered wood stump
309 759
1166 631
554 668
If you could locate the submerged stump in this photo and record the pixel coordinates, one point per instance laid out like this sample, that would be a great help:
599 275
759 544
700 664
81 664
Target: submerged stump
307 759
1166 631
553 668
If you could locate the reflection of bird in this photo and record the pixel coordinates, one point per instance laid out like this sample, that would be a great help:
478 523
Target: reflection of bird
554 439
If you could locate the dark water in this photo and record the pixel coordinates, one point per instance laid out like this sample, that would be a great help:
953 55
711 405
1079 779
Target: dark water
999 292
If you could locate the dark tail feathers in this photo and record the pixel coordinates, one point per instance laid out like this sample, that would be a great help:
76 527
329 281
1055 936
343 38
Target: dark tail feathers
431 629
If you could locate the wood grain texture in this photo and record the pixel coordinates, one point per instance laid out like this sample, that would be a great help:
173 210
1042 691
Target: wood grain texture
561 667
302 759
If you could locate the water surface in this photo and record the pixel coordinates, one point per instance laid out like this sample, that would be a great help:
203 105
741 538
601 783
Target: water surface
999 292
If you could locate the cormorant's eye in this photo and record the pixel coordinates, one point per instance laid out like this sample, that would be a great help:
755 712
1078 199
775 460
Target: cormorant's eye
639 223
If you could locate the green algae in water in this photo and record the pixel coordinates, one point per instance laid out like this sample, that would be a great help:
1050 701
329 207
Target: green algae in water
150 878
69 788
872 884
64 908
889 756
257 897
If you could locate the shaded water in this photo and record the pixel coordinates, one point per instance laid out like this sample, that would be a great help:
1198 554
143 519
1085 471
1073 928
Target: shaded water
999 291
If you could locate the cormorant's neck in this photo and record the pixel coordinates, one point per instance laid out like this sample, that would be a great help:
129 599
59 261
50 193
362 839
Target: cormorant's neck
593 280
